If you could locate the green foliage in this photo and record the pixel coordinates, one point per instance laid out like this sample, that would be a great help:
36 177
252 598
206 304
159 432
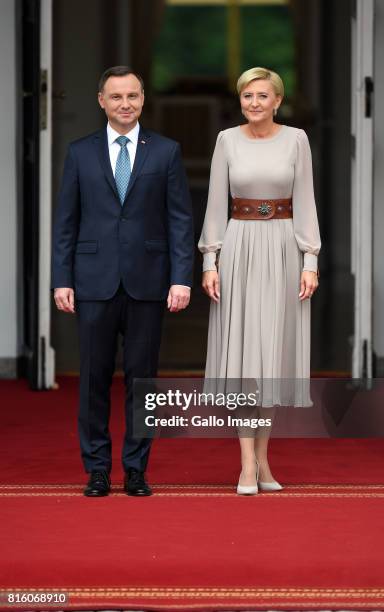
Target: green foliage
267 40
193 42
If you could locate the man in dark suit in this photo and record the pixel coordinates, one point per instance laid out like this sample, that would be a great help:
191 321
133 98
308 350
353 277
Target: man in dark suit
122 246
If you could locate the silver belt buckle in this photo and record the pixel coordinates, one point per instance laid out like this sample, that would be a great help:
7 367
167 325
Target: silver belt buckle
266 209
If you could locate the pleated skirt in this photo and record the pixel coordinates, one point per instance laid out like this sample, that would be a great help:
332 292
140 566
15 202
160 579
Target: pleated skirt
260 331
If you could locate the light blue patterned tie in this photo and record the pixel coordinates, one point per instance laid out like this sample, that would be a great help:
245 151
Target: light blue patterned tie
123 168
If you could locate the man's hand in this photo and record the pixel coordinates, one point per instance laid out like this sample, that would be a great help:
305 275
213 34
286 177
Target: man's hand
65 299
178 298
308 284
211 284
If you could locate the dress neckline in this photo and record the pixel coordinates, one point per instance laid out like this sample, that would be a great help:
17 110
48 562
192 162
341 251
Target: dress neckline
261 139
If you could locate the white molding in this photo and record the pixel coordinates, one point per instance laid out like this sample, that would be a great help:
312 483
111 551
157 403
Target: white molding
362 194
9 342
47 357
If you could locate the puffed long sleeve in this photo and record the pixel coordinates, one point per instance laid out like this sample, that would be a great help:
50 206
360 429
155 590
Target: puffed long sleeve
216 216
305 223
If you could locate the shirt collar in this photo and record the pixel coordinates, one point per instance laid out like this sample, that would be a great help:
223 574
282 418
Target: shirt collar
133 134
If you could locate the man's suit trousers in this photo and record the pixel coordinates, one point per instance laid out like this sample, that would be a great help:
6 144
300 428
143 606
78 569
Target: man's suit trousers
99 324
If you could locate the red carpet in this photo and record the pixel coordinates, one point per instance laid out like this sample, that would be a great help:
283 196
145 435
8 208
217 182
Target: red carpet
194 545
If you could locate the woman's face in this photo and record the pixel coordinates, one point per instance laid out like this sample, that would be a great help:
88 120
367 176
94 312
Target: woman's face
258 99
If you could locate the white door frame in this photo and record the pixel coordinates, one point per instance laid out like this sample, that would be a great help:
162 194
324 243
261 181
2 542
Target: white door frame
361 185
46 355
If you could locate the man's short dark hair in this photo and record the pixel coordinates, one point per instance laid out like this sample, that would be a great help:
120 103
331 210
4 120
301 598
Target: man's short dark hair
118 71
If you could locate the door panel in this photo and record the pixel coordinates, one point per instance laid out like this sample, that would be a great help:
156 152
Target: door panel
36 172
30 173
362 173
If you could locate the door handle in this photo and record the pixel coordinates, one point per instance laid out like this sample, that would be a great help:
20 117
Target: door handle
368 83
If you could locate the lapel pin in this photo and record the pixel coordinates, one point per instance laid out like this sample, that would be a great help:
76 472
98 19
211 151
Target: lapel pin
142 141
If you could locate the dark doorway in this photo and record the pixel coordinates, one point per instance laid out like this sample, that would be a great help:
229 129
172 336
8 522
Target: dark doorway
30 28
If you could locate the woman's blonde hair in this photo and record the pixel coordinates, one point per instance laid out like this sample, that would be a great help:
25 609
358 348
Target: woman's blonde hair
254 74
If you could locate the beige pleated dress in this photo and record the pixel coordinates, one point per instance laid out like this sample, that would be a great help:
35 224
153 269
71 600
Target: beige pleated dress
260 330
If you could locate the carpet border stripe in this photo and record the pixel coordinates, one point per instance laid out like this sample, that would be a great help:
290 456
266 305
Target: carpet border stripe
219 597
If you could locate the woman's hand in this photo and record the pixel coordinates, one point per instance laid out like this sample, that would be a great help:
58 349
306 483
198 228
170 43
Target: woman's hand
308 284
211 284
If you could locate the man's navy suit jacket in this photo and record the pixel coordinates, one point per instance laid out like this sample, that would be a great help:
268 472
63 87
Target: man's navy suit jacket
147 243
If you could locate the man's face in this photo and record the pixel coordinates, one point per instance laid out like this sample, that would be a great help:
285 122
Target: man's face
122 99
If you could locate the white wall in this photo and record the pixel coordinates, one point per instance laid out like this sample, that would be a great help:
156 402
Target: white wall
378 190
8 192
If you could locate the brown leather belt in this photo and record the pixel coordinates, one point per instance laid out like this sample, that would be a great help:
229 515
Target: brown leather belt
244 209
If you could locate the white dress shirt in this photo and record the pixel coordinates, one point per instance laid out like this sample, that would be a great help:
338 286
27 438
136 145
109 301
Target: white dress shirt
114 147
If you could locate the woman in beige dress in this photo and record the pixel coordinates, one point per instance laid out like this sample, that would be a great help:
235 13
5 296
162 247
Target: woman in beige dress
259 324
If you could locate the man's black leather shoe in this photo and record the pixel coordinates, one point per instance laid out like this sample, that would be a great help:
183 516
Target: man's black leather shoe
135 484
99 484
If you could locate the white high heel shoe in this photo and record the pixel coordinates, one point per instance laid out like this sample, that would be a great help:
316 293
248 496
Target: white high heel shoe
249 490
270 486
